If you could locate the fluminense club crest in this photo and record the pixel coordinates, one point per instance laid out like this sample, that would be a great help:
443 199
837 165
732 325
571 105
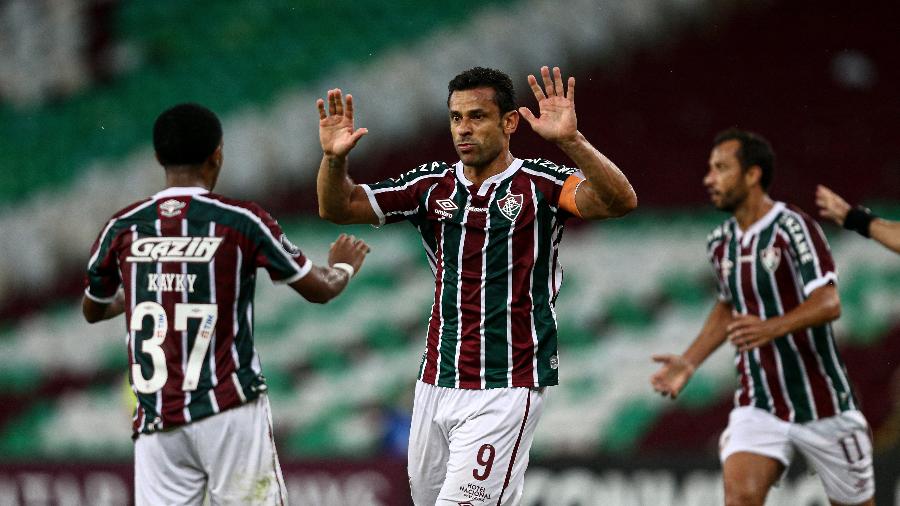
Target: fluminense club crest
171 208
510 205
770 258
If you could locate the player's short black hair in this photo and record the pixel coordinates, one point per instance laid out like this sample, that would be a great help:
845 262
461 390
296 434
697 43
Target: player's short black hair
480 77
754 150
186 134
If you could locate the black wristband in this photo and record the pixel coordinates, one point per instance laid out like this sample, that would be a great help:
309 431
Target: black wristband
858 219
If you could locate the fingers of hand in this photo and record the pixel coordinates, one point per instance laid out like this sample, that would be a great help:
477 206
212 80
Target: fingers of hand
332 107
527 114
570 94
535 88
557 82
548 83
320 104
338 102
349 111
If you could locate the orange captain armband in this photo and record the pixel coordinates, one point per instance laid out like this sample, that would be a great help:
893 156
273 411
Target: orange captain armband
567 196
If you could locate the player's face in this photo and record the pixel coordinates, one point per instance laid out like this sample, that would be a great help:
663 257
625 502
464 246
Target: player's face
479 131
725 181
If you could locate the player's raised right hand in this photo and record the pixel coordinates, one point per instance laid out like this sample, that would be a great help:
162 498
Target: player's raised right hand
336 133
674 374
349 250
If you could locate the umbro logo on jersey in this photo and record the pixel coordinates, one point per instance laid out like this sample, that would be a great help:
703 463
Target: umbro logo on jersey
171 208
447 204
510 205
174 249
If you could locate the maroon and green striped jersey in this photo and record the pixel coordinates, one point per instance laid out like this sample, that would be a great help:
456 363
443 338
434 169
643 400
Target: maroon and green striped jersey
187 261
493 252
768 270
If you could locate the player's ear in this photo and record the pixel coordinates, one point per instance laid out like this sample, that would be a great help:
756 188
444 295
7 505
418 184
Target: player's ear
510 121
753 175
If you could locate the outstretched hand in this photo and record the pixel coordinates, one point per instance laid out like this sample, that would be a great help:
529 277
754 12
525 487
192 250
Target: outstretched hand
336 133
674 374
831 205
556 121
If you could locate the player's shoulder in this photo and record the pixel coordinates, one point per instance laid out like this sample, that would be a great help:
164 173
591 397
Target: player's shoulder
547 168
719 233
133 209
794 218
435 168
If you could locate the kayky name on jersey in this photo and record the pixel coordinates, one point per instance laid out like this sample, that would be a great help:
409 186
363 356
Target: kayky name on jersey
171 282
174 249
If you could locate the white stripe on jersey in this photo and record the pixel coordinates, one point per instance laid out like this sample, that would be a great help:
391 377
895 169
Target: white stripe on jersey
556 180
237 386
212 341
509 296
159 402
534 336
184 333
110 224
234 315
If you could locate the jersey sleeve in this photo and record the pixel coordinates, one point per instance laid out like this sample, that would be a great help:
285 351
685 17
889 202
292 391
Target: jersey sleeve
400 198
809 252
567 195
103 279
279 256
715 242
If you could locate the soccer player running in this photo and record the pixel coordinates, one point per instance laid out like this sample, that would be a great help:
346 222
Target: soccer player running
491 224
859 219
777 297
187 259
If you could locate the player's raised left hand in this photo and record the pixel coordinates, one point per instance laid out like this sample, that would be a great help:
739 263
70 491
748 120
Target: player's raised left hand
831 205
748 331
556 105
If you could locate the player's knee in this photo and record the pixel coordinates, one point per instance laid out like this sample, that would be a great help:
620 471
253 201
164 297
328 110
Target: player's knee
736 495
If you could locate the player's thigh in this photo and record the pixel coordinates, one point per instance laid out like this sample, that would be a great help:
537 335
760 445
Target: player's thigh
839 448
755 450
748 478
239 455
167 470
428 446
489 452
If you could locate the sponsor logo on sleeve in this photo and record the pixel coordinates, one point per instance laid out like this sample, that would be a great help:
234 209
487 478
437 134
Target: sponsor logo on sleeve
174 249
288 246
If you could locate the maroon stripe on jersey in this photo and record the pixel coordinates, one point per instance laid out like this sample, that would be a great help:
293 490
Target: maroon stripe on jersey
173 397
429 373
788 290
226 281
523 251
770 371
469 363
748 293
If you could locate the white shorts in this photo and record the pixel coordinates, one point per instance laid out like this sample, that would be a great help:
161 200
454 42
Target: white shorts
229 455
838 448
470 447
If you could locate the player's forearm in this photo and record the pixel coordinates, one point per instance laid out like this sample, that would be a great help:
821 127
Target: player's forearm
711 336
95 311
886 232
322 284
608 185
334 189
822 306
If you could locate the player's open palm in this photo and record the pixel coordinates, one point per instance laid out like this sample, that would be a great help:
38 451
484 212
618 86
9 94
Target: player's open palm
556 107
348 249
336 132
674 374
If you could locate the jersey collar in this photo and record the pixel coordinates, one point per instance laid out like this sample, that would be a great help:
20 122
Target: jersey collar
483 189
759 225
177 191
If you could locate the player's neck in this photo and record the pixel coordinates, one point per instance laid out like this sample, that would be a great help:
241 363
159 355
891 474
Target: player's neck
186 178
754 207
478 175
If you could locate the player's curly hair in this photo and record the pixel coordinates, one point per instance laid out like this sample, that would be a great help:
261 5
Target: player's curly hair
186 134
754 150
481 77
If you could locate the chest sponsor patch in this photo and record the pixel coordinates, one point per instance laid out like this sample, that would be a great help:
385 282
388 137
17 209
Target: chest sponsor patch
174 249
510 205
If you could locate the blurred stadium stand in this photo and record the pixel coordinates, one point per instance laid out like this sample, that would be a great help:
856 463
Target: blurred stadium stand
81 82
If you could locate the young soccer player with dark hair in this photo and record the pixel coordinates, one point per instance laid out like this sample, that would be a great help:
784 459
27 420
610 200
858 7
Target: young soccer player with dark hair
182 267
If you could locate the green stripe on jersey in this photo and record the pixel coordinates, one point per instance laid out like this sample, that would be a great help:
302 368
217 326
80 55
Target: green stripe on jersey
835 370
801 245
544 321
497 295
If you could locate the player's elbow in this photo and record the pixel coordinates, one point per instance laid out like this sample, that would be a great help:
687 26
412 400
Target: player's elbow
332 216
833 309
625 205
